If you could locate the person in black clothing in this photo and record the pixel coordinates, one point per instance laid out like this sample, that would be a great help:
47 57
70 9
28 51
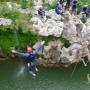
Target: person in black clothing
68 4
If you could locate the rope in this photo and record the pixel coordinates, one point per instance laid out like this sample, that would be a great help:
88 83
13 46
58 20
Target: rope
73 70
85 64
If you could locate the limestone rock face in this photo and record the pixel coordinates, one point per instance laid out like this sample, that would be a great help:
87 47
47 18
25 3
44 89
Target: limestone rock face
72 53
88 29
56 53
52 52
48 25
66 27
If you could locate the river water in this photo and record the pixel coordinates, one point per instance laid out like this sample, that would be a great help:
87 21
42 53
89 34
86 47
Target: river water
14 76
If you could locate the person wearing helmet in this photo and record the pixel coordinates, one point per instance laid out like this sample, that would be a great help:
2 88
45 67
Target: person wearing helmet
30 54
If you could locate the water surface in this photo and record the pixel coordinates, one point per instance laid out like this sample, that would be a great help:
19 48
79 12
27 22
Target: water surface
14 76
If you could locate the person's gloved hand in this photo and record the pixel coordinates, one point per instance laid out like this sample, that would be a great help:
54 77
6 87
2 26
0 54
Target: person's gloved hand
13 51
42 43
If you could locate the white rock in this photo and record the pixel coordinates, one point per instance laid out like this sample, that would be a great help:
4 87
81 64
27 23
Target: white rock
47 27
24 11
4 21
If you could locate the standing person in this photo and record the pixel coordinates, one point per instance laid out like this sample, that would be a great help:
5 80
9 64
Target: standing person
30 54
59 9
86 11
74 6
68 4
41 12
64 4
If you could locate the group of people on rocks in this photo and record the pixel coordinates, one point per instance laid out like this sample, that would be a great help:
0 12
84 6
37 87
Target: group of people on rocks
63 5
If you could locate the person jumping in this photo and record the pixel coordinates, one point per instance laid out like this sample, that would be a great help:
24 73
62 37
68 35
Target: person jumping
30 54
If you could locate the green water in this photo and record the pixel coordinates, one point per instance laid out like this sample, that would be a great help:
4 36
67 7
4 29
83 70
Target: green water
47 79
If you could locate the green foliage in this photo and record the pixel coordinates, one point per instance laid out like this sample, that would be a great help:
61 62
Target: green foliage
84 2
80 4
7 39
31 2
9 13
83 20
78 8
50 6
53 5
48 39
27 3
24 4
22 25
65 42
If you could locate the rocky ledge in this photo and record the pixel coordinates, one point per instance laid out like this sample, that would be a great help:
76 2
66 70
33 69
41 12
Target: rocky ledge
71 28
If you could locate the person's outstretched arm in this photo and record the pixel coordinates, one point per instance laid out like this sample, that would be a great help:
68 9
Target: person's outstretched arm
38 48
20 53
28 54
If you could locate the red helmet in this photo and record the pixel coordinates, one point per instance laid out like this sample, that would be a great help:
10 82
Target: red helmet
29 50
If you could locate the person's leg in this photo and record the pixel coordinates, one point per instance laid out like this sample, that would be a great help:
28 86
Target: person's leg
36 69
31 70
34 66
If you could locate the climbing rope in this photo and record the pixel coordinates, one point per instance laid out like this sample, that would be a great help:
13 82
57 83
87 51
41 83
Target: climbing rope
85 64
73 70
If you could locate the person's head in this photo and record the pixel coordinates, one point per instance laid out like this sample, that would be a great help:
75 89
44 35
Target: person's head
74 2
84 9
29 49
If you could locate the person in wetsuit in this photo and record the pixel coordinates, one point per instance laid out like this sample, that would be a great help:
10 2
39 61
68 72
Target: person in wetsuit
30 54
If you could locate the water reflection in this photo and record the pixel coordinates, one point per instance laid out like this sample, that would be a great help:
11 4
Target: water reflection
20 71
